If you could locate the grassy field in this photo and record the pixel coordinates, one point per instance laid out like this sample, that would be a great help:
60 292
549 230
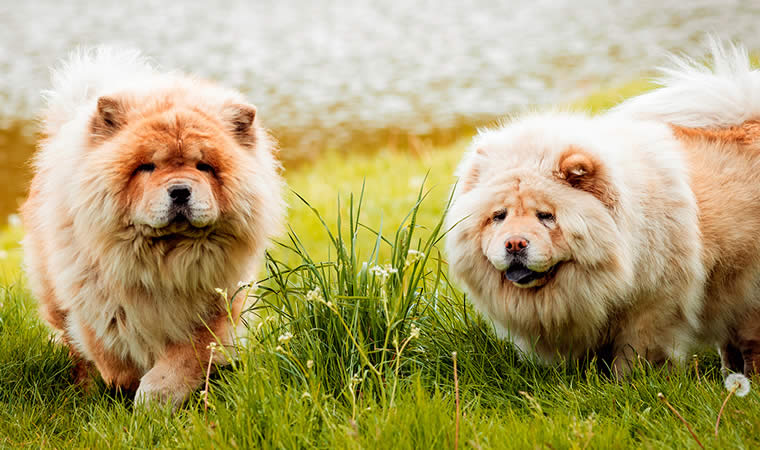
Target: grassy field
356 350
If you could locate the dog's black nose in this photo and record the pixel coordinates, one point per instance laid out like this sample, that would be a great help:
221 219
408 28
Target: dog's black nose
179 194
516 244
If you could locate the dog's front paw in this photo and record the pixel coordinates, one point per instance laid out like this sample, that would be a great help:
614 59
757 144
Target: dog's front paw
159 387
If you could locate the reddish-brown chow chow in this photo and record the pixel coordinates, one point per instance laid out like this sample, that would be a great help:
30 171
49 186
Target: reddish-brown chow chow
152 191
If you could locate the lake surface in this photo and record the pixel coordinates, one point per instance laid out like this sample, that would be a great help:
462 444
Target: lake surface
325 71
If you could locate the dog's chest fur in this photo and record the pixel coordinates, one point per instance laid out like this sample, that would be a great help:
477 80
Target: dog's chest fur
138 327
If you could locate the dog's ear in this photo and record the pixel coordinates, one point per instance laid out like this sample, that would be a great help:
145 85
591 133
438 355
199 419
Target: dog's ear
109 117
584 171
473 171
240 119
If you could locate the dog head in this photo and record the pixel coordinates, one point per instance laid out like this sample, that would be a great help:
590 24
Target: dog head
526 231
522 237
534 235
174 168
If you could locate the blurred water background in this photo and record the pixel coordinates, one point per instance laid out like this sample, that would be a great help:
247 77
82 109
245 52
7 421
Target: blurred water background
353 74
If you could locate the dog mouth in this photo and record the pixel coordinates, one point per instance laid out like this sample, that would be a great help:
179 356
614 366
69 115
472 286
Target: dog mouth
179 228
519 274
180 219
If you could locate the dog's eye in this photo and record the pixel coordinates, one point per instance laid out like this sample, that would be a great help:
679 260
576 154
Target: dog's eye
499 215
203 167
545 216
148 167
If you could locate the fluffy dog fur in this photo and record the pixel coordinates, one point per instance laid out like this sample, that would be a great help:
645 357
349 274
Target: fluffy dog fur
152 191
631 234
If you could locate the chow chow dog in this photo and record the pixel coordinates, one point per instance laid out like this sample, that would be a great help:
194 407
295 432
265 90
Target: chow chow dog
632 234
153 192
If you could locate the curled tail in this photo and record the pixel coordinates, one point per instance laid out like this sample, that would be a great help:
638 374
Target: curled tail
724 93
86 75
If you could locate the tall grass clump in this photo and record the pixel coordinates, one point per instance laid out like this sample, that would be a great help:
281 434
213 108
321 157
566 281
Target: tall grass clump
355 321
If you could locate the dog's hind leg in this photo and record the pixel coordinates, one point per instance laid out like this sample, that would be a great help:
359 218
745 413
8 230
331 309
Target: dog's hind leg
748 343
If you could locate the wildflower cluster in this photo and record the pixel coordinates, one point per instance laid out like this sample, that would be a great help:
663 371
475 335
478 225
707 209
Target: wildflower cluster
285 338
315 295
356 380
412 257
383 272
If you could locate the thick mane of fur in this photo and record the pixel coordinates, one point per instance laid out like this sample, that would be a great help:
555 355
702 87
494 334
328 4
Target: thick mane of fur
88 74
722 93
91 73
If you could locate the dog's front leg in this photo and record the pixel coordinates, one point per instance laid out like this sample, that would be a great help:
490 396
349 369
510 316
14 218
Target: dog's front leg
180 370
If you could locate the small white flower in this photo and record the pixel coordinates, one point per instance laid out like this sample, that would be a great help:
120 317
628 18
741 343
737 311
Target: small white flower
222 292
415 332
738 382
285 338
279 349
412 257
314 295
14 220
242 284
211 346
310 364
383 272
305 395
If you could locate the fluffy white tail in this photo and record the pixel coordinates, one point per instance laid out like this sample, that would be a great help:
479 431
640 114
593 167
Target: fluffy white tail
723 93
86 75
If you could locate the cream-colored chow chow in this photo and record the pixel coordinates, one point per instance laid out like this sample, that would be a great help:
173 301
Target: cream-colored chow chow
151 192
636 232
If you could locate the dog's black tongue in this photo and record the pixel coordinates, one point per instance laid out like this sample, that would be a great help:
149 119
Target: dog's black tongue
517 273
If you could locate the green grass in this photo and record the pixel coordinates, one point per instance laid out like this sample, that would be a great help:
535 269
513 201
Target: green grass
355 374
